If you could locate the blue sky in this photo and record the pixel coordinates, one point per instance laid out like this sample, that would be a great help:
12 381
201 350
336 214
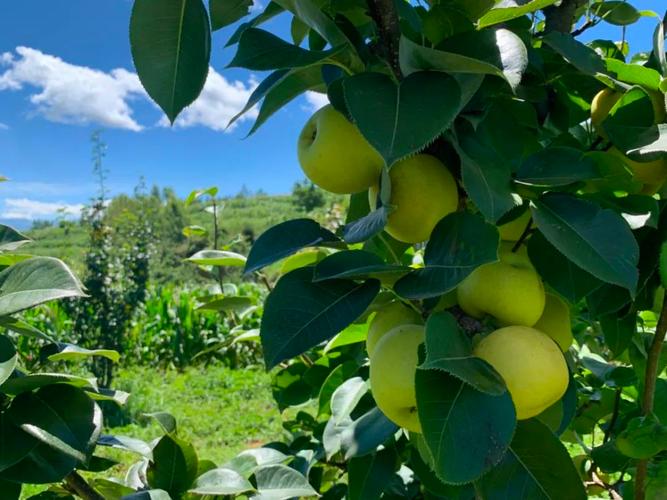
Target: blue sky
66 70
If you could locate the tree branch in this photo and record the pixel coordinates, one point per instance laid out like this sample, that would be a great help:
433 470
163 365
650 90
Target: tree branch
384 13
80 487
648 395
561 18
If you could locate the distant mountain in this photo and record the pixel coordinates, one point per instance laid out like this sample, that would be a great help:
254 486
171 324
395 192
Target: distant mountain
20 224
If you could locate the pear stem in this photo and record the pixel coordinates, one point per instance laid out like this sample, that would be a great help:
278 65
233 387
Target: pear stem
648 394
526 232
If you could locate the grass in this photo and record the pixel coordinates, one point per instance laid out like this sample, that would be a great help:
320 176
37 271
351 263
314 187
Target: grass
219 410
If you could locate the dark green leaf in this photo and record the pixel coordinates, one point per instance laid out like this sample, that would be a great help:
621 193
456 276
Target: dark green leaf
556 166
173 467
299 314
70 352
171 47
334 380
459 243
164 419
566 278
261 50
616 12
271 11
401 119
355 264
536 466
285 239
10 490
367 476
226 12
576 53
467 431
618 331
8 358
365 434
35 281
449 349
597 240
366 227
311 14
227 304
217 258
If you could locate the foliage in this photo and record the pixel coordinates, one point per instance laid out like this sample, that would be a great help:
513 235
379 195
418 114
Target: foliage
308 196
501 93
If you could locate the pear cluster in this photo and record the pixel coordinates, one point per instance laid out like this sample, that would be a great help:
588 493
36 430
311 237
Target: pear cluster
533 326
526 350
336 157
651 175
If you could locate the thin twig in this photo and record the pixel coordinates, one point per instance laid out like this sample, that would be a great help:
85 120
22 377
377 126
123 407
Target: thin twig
524 235
586 26
614 416
648 394
78 485
383 12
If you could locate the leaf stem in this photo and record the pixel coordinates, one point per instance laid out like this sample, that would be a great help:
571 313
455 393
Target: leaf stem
526 232
648 394
77 484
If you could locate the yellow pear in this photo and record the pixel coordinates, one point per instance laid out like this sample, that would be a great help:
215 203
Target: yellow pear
555 321
601 106
335 156
510 290
513 230
652 174
423 191
531 364
390 316
393 365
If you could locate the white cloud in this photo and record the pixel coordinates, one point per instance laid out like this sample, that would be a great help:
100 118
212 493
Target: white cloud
73 94
80 95
218 103
316 100
45 189
24 208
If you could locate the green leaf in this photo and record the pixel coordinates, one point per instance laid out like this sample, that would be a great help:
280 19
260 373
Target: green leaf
536 466
174 466
271 11
556 166
616 12
221 482
399 120
566 278
226 12
227 304
125 443
597 240
35 281
662 264
261 50
367 476
643 438
192 231
10 490
285 239
576 53
299 314
8 358
11 239
217 258
353 334
71 352
171 48
165 420
356 265
153 494
487 181
634 74
25 383
618 331
467 431
449 349
459 244
502 14
334 380
366 227
279 482
311 14
50 430
366 433
248 461
212 192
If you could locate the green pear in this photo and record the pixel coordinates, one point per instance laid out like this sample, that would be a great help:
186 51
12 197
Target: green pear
510 290
393 365
390 316
335 156
513 230
555 321
531 365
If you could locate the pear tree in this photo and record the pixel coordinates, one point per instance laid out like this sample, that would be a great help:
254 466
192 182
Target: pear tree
503 246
